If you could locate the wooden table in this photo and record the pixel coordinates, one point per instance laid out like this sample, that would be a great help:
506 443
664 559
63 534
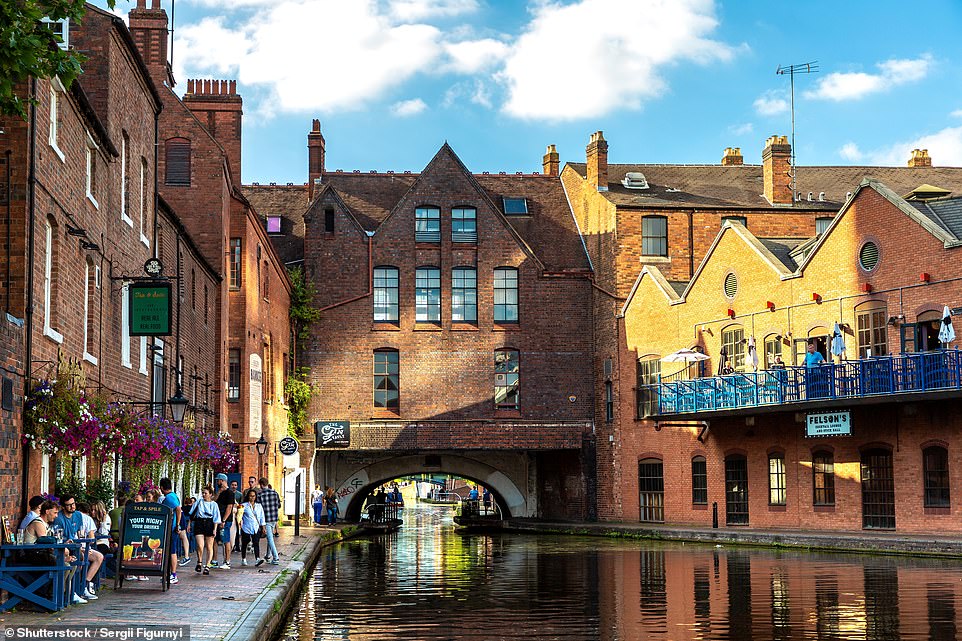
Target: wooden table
24 582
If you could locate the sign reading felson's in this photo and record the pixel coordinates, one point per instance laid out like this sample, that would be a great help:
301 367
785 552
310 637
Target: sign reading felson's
149 308
333 433
828 424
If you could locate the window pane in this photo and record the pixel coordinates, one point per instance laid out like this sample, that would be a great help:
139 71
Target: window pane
386 373
776 479
273 224
464 225
699 481
936 472
235 262
506 379
427 294
464 295
734 347
823 471
651 487
233 375
385 294
427 225
506 295
647 375
654 236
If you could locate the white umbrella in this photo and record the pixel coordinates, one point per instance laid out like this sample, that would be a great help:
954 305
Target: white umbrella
946 332
752 353
838 341
684 356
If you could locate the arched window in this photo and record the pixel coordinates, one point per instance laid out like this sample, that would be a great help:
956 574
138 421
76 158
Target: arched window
699 480
935 465
386 295
823 478
464 295
387 368
733 346
773 351
648 371
507 379
776 478
51 259
505 295
651 490
464 225
427 295
654 236
177 162
870 319
427 225
90 289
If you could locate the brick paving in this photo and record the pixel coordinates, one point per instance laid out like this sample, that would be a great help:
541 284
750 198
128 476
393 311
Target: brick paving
211 605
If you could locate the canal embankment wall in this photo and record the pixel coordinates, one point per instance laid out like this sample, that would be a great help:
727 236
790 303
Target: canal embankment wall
863 542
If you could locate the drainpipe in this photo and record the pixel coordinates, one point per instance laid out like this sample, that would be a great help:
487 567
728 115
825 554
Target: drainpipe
691 245
28 308
9 251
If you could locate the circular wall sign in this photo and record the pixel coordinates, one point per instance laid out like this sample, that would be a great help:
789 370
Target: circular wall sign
287 446
153 267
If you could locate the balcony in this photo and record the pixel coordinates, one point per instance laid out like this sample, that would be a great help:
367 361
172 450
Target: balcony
901 377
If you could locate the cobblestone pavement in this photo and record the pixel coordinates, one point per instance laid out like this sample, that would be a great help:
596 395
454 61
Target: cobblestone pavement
210 605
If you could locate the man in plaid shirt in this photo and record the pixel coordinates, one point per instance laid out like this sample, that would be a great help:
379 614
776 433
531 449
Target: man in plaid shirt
271 503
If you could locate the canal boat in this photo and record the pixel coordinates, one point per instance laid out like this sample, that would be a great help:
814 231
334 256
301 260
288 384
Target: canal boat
474 516
381 519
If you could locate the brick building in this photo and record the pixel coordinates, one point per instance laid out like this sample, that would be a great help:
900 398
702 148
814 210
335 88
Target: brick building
668 216
199 173
752 443
453 327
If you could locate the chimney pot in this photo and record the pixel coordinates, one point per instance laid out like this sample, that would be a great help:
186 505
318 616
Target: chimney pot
920 158
551 161
597 156
732 156
776 170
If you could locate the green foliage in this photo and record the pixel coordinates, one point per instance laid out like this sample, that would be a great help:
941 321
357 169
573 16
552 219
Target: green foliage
72 486
29 48
298 393
303 313
100 490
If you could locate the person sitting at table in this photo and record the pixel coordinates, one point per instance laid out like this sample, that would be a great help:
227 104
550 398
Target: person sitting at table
72 523
33 513
779 363
727 369
38 529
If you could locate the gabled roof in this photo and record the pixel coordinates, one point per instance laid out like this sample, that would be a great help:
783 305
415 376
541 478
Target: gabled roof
742 186
668 288
946 213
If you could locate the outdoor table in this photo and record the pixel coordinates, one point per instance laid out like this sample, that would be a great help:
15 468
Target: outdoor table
82 562
28 582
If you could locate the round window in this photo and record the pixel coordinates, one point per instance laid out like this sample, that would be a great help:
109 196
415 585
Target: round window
868 256
731 285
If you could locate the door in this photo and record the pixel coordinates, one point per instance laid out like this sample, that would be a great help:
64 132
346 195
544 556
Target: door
651 490
909 333
878 490
736 490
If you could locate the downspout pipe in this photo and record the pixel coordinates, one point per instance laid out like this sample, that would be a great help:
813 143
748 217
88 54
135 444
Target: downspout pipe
28 307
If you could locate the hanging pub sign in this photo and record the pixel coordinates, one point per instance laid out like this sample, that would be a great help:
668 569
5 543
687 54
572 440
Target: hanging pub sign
828 424
149 313
145 540
333 433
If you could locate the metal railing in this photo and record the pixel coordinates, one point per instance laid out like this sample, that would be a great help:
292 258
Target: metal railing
933 371
479 508
382 512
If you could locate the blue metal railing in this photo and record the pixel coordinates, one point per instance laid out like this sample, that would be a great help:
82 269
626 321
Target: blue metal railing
897 374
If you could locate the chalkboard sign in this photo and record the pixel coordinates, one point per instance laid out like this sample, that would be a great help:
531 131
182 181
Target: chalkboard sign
145 540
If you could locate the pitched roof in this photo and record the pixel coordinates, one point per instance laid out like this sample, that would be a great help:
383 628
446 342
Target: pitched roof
742 185
944 212
289 202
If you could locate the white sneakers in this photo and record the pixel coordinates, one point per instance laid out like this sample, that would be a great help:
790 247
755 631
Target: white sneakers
78 600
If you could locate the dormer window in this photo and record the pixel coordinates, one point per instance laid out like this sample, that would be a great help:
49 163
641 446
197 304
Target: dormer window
273 224
60 29
635 180
515 206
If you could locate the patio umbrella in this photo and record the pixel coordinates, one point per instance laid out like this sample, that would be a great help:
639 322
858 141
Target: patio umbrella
946 332
752 353
684 356
838 341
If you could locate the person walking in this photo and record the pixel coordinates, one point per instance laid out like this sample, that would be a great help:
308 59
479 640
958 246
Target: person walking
186 531
317 502
252 527
271 502
225 502
172 501
205 517
330 502
238 510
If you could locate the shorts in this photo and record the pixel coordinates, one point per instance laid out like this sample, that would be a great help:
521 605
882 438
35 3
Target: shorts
225 536
204 526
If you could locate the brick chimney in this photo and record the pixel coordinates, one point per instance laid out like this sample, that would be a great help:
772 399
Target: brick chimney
220 109
315 156
920 158
733 156
597 152
776 170
550 161
148 27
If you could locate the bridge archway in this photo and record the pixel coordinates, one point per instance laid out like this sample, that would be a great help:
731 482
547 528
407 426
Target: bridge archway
353 489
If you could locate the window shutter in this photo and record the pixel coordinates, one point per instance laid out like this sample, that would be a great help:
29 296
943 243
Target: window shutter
178 162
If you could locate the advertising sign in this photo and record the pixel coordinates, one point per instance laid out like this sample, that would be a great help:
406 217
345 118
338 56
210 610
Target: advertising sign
145 540
287 446
149 308
256 396
828 424
333 433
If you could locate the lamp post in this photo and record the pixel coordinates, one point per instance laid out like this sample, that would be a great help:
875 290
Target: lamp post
261 446
178 406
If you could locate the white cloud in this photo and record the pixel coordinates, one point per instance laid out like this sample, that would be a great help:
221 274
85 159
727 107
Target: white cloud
945 148
362 54
855 85
591 57
741 130
411 10
957 113
474 91
771 103
407 108
851 152
472 56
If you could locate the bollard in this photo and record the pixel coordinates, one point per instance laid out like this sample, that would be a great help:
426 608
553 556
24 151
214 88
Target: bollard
714 515
297 505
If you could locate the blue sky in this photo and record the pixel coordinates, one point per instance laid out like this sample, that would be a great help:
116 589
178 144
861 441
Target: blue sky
673 81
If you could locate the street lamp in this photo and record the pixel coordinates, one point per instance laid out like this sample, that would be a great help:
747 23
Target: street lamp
261 446
178 406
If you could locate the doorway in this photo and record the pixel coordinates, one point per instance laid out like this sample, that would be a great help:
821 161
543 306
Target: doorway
878 490
736 490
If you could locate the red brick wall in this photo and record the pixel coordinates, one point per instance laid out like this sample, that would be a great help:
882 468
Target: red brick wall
11 427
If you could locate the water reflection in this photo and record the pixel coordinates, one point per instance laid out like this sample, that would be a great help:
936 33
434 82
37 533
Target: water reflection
428 583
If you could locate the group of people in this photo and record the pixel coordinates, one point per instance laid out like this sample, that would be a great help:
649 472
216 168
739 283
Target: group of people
198 525
325 505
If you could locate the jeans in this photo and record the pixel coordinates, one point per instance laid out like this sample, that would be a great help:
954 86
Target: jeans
271 548
331 515
248 538
318 510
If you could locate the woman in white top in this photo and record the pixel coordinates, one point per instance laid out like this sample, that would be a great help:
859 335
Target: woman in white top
98 512
206 517
252 526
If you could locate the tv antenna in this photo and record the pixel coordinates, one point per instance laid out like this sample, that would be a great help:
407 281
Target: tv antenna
790 71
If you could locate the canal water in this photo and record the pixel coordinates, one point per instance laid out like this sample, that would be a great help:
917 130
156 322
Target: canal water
430 583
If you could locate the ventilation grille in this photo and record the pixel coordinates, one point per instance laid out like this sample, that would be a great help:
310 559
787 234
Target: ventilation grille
868 256
731 285
607 367
428 236
464 237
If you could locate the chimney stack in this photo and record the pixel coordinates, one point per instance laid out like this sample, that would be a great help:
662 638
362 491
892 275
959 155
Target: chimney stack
597 152
148 28
733 156
920 158
315 156
218 107
550 162
776 170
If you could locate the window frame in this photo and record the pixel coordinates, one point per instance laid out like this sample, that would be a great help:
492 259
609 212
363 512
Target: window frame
735 219
511 380
381 295
737 354
699 480
427 224
651 486
236 263
609 402
777 480
233 375
53 137
125 326
931 488
464 298
390 371
51 288
180 150
647 371
464 229
823 467
427 295
871 329
507 295
772 340
144 208
654 242
125 179
91 166
89 291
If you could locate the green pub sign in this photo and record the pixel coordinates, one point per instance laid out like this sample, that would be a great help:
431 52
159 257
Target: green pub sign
150 309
